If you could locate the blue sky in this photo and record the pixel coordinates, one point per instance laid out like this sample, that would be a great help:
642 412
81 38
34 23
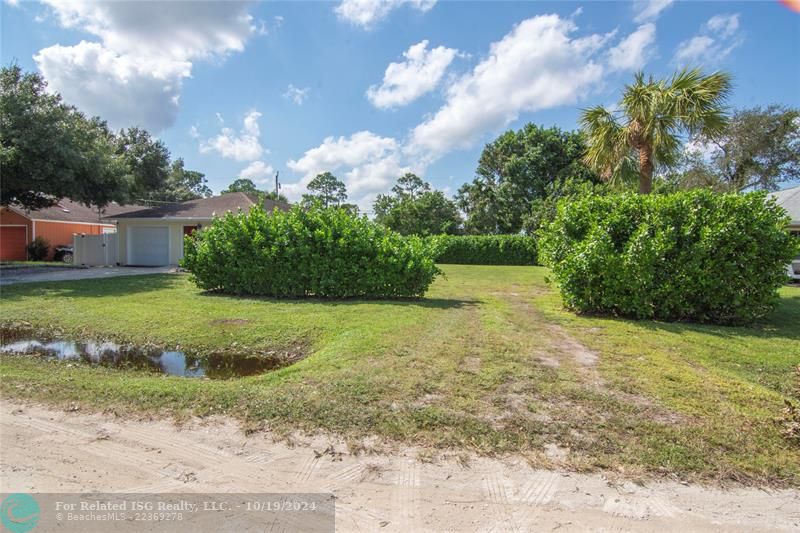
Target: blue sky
369 89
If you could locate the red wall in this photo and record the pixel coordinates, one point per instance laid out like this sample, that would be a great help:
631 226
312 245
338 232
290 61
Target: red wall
11 249
56 233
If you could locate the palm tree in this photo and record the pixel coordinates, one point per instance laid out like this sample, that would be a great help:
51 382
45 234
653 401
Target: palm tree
646 129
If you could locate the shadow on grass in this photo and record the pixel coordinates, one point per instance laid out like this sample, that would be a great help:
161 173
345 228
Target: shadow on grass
782 322
430 303
91 288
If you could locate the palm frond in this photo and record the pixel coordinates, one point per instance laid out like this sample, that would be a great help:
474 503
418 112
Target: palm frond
698 101
606 139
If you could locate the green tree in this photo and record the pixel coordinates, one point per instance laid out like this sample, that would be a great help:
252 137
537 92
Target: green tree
759 149
242 185
181 185
147 161
50 150
276 197
414 209
247 186
326 189
515 170
645 132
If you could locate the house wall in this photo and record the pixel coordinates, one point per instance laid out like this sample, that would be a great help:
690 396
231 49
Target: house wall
11 248
175 236
61 233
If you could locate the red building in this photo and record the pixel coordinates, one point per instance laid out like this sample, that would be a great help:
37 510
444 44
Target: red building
56 224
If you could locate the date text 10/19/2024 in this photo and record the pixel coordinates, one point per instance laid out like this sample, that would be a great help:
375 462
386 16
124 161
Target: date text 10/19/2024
184 506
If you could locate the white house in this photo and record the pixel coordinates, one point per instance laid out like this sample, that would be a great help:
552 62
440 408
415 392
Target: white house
789 199
154 236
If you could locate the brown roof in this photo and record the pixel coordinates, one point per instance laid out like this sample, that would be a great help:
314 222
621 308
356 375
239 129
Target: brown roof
204 207
68 211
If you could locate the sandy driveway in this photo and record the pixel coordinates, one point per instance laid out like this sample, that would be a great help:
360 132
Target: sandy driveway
48 450
30 275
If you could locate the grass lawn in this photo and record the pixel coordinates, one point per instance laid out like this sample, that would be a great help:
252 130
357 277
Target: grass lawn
488 362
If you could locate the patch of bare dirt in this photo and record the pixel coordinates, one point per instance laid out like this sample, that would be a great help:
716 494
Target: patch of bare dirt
569 345
229 322
46 450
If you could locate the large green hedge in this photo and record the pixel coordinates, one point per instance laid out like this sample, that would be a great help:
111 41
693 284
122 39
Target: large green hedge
684 256
484 249
314 252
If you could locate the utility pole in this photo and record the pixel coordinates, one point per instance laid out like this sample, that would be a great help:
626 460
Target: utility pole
277 183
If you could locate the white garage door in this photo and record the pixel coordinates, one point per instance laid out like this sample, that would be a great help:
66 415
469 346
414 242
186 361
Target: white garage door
148 245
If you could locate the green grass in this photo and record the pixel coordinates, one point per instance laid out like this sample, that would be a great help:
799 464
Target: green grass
488 362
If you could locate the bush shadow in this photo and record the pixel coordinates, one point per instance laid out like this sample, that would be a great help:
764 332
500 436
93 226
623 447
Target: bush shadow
782 322
430 303
90 288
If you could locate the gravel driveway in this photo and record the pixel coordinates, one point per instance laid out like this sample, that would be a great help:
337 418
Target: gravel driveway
30 275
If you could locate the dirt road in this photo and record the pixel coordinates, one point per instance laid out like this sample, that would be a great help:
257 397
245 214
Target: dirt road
47 450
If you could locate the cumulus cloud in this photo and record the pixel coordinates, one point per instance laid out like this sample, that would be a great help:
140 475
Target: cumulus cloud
142 56
538 65
244 146
101 82
367 13
177 30
649 9
259 172
717 38
296 95
366 162
633 52
406 81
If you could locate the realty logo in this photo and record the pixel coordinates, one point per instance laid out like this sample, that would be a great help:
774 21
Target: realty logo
20 513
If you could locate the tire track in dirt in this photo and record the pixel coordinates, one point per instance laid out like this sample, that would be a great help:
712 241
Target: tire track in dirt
43 449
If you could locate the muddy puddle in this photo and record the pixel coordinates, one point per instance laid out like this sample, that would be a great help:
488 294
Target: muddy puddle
129 356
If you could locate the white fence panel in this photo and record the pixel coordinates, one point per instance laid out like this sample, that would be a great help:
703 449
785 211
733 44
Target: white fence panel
95 250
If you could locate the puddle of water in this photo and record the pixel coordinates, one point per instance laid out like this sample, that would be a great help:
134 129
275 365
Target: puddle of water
173 363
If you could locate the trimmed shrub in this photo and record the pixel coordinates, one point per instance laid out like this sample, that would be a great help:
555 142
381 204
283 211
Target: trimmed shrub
684 256
38 249
315 252
485 249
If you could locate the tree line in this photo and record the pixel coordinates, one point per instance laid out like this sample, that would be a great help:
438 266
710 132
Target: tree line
663 135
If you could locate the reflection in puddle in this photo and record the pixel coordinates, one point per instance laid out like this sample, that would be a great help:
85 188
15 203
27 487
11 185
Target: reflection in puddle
173 363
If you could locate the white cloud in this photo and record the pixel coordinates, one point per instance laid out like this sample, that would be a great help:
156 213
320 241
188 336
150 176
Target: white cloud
406 81
649 9
535 66
724 25
718 37
296 95
264 28
367 13
259 172
124 90
633 52
143 55
242 147
175 30
366 162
